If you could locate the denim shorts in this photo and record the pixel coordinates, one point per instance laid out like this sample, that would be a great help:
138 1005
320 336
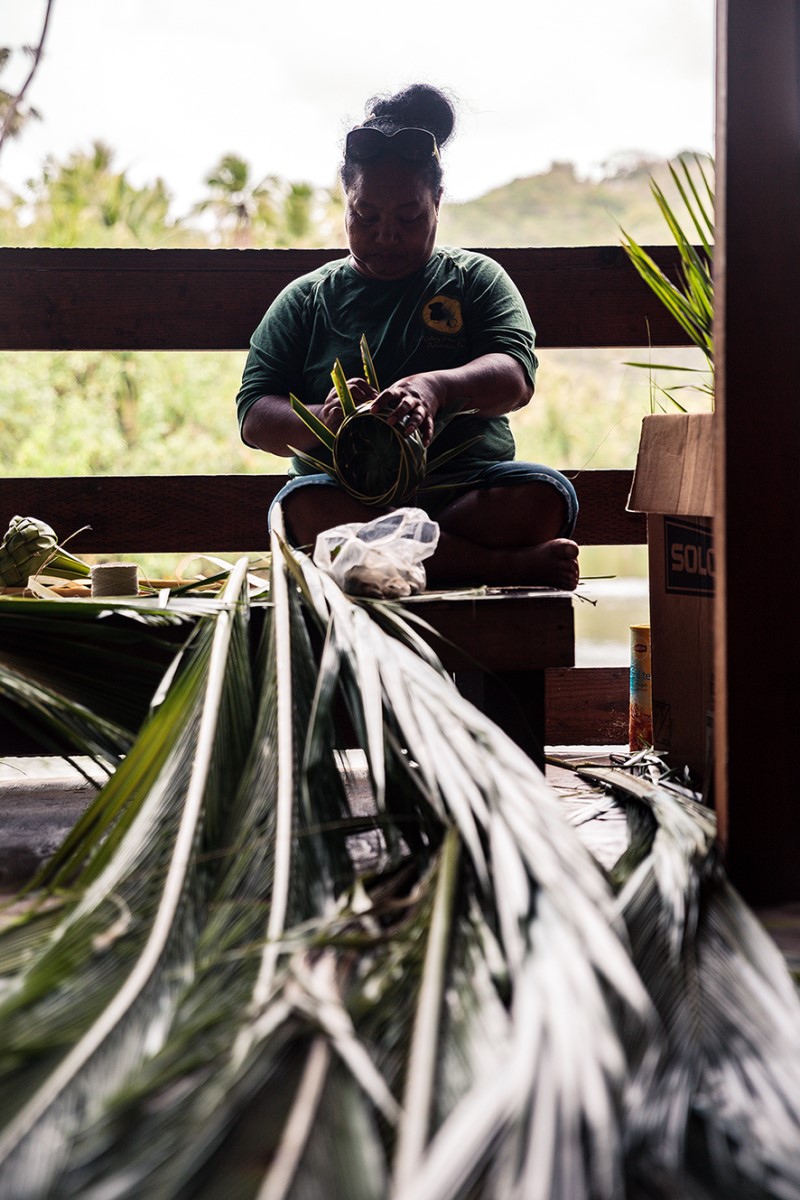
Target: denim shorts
441 489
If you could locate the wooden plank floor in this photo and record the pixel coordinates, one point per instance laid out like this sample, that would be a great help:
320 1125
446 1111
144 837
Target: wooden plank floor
599 823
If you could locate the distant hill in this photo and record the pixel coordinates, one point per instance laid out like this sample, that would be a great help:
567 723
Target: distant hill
559 208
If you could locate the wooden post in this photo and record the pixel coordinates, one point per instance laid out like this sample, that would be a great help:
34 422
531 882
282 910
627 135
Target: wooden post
757 337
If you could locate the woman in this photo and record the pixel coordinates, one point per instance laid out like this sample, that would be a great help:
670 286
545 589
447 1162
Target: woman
445 327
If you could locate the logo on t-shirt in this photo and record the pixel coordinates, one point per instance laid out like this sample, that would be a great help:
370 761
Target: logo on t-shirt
443 314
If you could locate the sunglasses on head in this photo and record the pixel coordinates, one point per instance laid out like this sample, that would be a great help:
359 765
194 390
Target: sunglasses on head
365 144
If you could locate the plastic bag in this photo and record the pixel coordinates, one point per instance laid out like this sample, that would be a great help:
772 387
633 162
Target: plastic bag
381 558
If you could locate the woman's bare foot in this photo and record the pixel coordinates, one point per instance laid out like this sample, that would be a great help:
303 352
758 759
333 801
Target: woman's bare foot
551 564
457 563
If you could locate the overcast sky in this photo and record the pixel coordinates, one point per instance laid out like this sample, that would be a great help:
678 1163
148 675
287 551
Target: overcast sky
172 85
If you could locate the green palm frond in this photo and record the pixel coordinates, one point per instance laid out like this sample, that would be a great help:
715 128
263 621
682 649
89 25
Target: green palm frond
106 657
104 980
374 461
58 722
435 464
690 300
342 389
312 421
228 1000
725 1097
370 374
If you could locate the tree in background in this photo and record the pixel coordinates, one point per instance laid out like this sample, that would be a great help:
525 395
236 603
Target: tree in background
14 116
240 207
270 213
85 202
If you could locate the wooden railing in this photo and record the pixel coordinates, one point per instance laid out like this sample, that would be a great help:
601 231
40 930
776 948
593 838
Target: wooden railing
212 300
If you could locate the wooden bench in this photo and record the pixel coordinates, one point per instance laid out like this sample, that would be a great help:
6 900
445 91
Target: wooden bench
212 300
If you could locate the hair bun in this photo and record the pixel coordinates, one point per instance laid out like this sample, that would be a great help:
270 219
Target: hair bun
420 105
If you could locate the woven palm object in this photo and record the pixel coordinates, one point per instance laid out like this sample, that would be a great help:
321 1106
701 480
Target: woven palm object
30 546
372 460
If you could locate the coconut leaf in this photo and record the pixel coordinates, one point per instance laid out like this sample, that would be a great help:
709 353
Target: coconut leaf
691 300
725 1099
320 468
473 784
370 374
342 389
374 461
312 422
438 462
105 657
103 983
60 723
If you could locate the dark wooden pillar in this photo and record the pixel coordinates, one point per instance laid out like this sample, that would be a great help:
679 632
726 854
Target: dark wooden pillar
757 312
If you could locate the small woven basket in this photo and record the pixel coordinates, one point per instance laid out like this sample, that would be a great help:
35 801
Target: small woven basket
374 461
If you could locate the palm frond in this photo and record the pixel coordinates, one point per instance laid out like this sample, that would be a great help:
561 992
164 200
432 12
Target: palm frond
106 657
725 1100
370 374
101 987
312 421
342 389
229 1002
690 300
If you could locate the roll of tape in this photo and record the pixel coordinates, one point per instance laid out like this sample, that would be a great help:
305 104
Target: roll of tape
115 579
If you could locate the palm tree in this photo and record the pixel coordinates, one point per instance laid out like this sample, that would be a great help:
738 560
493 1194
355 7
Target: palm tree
272 212
206 992
240 205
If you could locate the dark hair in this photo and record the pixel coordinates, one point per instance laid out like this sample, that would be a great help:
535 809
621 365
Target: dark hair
419 106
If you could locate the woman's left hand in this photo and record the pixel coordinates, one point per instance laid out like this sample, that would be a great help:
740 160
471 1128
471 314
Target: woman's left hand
413 403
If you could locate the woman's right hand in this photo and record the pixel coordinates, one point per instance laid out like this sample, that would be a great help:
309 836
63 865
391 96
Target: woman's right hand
331 413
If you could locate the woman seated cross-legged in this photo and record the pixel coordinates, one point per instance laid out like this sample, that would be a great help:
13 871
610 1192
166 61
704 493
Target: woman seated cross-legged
447 329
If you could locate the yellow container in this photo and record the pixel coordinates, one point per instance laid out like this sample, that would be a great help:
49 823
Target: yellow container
640 712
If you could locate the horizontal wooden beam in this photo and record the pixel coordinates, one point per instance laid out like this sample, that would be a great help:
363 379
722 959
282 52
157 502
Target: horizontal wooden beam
584 706
78 299
587 706
603 519
183 514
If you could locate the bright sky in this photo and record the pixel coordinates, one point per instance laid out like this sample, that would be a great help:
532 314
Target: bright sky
172 85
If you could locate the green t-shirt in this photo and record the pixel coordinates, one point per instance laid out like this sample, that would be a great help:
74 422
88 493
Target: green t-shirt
457 307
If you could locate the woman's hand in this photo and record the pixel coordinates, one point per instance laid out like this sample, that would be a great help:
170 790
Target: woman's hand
330 412
412 404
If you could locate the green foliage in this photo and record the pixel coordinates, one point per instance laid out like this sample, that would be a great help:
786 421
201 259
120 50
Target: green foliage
690 299
121 413
85 202
272 212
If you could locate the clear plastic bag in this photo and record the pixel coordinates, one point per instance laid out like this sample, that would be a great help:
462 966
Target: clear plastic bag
381 558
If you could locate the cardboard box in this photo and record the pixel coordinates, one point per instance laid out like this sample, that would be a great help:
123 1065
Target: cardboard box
674 484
